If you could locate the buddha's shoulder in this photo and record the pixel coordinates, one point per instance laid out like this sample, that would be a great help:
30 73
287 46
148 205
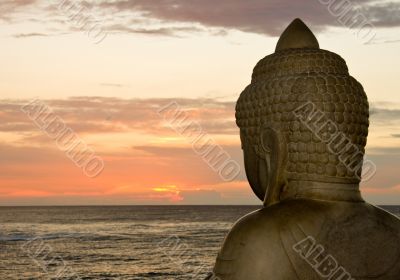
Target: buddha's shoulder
270 220
259 243
311 217
262 222
382 216
263 241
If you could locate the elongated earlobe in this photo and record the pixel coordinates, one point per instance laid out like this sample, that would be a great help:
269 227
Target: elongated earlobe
273 144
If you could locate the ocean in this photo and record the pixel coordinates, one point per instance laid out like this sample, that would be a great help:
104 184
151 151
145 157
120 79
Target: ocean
124 242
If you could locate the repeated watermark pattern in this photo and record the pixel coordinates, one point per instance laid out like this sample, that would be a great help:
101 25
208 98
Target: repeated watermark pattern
66 139
202 143
350 15
213 277
81 18
323 263
179 254
52 264
337 142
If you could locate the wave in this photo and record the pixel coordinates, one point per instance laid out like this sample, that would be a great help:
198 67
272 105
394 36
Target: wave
24 237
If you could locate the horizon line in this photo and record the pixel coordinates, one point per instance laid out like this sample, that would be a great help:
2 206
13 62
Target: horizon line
154 205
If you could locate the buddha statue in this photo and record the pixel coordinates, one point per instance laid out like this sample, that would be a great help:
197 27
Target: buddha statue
303 126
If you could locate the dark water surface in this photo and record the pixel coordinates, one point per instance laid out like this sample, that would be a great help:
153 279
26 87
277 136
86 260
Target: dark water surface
132 242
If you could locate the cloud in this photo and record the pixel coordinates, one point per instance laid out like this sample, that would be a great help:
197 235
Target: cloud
392 190
383 150
238 192
384 14
384 115
28 35
111 115
183 17
163 31
32 164
166 152
391 41
382 196
265 17
99 115
8 7
112 85
258 16
234 151
229 193
45 175
126 172
201 197
386 162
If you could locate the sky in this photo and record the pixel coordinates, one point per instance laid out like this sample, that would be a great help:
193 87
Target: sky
108 68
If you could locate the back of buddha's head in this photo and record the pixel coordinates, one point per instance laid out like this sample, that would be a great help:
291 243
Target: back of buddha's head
303 117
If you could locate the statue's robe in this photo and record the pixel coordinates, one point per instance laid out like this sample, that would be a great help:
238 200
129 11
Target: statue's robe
302 239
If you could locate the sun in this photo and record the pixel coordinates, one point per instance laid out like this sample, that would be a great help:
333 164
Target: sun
171 188
171 191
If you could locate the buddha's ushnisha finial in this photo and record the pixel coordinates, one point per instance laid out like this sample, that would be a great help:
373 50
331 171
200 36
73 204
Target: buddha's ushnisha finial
296 36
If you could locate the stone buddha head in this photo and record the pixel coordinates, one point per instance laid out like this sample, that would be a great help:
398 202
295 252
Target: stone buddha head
303 120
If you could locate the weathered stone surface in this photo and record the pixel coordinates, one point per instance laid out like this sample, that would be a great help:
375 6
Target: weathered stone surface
303 125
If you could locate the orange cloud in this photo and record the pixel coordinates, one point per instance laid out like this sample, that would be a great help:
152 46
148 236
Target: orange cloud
389 191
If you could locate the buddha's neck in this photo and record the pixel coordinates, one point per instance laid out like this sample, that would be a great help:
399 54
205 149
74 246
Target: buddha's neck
322 191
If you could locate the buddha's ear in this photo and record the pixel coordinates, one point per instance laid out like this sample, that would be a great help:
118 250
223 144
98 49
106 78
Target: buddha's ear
274 144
